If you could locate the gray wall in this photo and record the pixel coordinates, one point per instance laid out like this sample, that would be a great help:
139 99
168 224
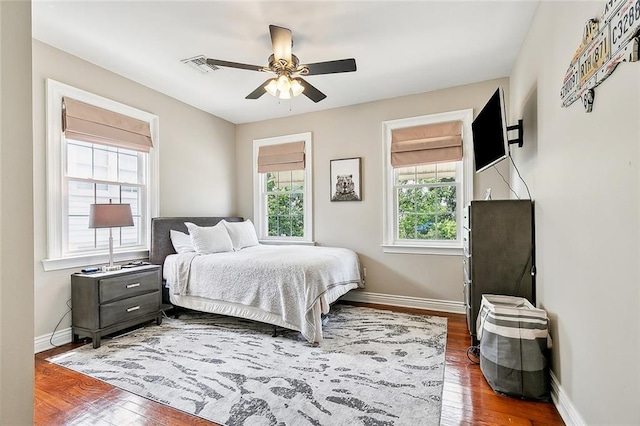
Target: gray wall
197 152
583 173
16 216
356 131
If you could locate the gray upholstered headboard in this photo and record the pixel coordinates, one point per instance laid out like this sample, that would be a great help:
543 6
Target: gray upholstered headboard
161 245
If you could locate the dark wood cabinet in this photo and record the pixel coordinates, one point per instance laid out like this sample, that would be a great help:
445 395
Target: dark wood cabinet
499 255
104 303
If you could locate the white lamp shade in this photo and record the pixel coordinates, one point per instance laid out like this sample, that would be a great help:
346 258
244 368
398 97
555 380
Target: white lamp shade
285 95
110 215
272 87
283 83
296 87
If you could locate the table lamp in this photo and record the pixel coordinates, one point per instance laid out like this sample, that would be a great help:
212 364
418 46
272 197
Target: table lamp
110 216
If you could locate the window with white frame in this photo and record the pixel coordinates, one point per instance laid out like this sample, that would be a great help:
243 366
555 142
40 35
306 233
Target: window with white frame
282 188
428 180
86 168
102 174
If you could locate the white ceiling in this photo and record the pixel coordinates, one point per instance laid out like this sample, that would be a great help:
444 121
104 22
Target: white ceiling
400 47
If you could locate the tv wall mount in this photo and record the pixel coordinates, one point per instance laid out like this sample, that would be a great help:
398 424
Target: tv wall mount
517 140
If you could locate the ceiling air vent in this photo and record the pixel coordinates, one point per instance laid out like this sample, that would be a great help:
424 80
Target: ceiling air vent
200 63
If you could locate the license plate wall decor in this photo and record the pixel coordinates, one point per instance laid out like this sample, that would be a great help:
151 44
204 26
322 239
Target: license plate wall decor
606 42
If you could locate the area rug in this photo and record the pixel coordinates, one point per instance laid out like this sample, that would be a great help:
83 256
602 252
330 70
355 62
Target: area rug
374 367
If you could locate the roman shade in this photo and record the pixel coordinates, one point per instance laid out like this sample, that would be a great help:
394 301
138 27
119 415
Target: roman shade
427 144
281 157
89 123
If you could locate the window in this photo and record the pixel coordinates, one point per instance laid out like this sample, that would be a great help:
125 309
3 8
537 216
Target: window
285 203
423 202
83 171
282 188
426 198
102 174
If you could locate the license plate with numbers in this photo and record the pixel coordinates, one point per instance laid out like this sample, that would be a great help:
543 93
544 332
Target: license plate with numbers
597 53
624 24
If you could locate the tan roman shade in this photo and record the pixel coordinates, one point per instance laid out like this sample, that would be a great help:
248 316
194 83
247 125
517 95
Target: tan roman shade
428 144
278 158
89 123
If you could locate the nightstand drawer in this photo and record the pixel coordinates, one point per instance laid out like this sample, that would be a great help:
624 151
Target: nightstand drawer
123 310
122 287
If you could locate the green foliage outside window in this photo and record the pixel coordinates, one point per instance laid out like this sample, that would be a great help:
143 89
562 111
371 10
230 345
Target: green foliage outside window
285 203
426 203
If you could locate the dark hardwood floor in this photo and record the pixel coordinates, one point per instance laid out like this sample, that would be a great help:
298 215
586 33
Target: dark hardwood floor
63 397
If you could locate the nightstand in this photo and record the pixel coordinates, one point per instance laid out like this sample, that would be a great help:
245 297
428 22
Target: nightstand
105 302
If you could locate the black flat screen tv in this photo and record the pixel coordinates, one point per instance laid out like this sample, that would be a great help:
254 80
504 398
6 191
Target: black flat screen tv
490 143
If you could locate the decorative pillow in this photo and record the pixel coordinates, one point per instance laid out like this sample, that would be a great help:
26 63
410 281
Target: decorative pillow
181 242
242 234
209 239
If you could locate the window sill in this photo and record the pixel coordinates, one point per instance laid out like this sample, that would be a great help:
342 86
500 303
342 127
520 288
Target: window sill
412 249
288 242
92 260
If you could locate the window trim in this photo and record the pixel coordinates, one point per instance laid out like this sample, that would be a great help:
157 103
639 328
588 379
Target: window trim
389 219
55 169
259 214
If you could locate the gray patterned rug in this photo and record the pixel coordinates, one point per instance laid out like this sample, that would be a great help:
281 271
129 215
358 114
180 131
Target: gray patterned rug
374 367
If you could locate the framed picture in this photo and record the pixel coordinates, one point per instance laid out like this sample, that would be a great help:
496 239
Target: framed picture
345 179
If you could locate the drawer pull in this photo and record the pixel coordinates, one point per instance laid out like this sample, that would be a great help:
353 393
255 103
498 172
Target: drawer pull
133 285
135 308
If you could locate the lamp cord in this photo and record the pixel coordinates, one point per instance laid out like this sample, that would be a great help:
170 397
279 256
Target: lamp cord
58 325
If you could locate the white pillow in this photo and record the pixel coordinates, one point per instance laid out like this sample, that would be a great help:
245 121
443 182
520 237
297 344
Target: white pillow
242 234
209 239
181 242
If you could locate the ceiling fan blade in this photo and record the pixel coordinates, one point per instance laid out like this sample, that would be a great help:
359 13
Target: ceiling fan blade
281 42
311 92
228 64
260 90
331 67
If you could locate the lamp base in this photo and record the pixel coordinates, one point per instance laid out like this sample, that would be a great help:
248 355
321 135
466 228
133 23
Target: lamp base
107 268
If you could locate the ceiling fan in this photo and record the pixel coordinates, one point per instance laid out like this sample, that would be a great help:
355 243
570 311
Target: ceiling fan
288 82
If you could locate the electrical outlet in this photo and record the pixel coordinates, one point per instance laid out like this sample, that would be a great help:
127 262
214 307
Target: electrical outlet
364 272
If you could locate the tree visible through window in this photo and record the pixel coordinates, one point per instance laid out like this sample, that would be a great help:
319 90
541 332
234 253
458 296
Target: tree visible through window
427 201
428 178
285 203
282 184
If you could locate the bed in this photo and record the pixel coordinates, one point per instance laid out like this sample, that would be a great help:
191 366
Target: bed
286 286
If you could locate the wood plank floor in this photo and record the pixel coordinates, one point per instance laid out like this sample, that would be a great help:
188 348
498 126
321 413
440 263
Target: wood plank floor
63 397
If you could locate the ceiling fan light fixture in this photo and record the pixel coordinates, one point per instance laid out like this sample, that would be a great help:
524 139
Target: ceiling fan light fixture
284 84
272 87
296 87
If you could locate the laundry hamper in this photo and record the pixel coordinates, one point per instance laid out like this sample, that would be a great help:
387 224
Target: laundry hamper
514 344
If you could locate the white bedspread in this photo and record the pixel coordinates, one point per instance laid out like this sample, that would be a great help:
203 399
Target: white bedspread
288 281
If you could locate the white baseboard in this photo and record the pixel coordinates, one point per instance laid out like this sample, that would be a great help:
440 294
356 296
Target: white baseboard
60 337
563 403
405 301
